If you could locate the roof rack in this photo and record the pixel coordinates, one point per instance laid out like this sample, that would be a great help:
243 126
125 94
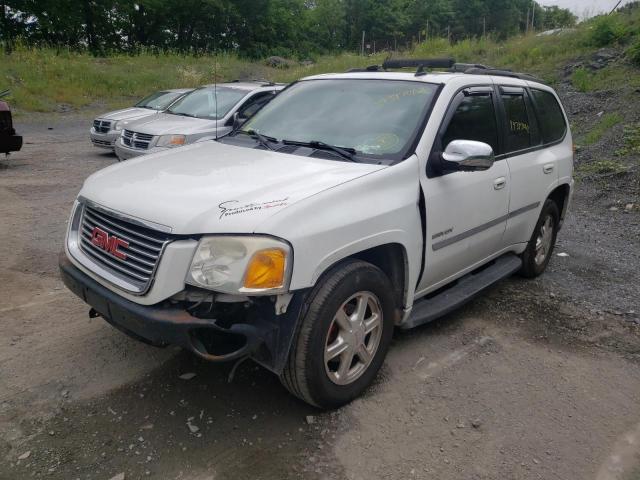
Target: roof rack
418 62
502 73
443 63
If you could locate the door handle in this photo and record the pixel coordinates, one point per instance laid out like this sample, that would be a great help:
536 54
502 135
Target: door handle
499 183
548 168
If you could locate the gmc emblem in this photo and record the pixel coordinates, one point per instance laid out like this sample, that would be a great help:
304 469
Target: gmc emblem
108 243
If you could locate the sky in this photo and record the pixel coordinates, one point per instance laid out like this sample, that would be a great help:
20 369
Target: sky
584 8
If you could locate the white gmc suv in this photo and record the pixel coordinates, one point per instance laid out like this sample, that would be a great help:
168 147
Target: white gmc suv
349 205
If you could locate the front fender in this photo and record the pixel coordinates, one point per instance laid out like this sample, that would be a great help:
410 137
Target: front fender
372 210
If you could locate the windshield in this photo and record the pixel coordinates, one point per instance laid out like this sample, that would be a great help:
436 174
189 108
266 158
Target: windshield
374 117
158 100
210 103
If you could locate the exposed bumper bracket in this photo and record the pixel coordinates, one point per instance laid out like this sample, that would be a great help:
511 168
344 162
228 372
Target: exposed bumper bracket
266 339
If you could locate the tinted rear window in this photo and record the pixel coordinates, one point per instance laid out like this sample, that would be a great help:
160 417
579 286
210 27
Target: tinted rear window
552 124
518 125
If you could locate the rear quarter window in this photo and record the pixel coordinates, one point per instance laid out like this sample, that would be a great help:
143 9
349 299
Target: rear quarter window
552 124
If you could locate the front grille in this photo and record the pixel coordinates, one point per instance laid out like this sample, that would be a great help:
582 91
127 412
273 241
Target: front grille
102 143
137 140
102 126
143 252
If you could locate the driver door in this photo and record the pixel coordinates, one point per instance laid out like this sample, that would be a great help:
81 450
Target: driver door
466 212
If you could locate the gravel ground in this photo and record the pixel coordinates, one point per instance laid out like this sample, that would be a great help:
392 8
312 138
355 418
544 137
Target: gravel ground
536 379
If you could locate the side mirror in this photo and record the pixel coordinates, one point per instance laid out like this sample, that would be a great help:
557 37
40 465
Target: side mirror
469 155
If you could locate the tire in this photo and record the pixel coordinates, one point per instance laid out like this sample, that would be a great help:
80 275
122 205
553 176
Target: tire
332 383
540 247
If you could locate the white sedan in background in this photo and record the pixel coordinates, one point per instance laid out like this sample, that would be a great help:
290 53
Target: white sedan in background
106 128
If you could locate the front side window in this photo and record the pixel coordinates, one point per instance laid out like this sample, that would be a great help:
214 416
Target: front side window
254 104
474 119
211 103
158 100
518 125
552 123
373 117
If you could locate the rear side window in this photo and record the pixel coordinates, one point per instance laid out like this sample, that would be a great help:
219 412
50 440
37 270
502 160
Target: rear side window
518 124
474 119
552 123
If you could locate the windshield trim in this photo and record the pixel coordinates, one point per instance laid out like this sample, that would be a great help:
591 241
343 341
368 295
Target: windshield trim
414 138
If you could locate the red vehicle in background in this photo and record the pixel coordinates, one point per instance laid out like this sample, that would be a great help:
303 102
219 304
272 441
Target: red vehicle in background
9 141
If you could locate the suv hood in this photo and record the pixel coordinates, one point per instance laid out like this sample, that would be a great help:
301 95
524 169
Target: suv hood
167 124
211 187
132 113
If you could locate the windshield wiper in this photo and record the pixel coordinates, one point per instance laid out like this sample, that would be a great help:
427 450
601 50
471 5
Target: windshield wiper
344 152
181 114
263 140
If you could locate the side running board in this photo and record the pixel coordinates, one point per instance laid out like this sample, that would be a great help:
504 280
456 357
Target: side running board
465 289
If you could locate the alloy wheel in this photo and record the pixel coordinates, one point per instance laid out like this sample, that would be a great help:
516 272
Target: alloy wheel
353 338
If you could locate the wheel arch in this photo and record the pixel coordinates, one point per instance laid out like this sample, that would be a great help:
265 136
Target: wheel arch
393 260
560 195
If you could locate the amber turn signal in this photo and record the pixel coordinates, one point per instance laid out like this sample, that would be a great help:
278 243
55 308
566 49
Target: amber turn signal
266 269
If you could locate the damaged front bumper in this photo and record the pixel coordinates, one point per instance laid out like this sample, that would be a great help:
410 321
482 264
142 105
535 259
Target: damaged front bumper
259 334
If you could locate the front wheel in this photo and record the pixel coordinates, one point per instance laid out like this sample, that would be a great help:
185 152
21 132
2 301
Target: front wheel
343 336
540 247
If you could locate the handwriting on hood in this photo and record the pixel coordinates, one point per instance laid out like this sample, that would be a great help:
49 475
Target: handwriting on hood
234 207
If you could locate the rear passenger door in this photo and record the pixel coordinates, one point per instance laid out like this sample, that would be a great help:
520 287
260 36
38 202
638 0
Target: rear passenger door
533 169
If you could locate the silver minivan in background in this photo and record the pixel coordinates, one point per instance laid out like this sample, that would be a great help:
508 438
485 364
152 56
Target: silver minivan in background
205 113
106 128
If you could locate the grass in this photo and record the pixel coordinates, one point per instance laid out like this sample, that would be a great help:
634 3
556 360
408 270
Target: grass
606 122
44 79
600 168
631 138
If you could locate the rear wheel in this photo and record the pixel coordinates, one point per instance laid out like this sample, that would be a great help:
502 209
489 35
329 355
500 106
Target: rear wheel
343 337
540 247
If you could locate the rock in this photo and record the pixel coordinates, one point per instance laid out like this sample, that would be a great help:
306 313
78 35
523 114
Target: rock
613 209
147 426
605 55
310 419
193 428
562 254
278 62
628 206
477 423
64 108
25 455
187 376
460 425
119 476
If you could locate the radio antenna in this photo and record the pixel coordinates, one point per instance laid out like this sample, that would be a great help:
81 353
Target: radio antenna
215 75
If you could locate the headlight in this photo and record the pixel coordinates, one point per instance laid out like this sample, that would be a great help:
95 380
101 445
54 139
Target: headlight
241 265
171 140
118 126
